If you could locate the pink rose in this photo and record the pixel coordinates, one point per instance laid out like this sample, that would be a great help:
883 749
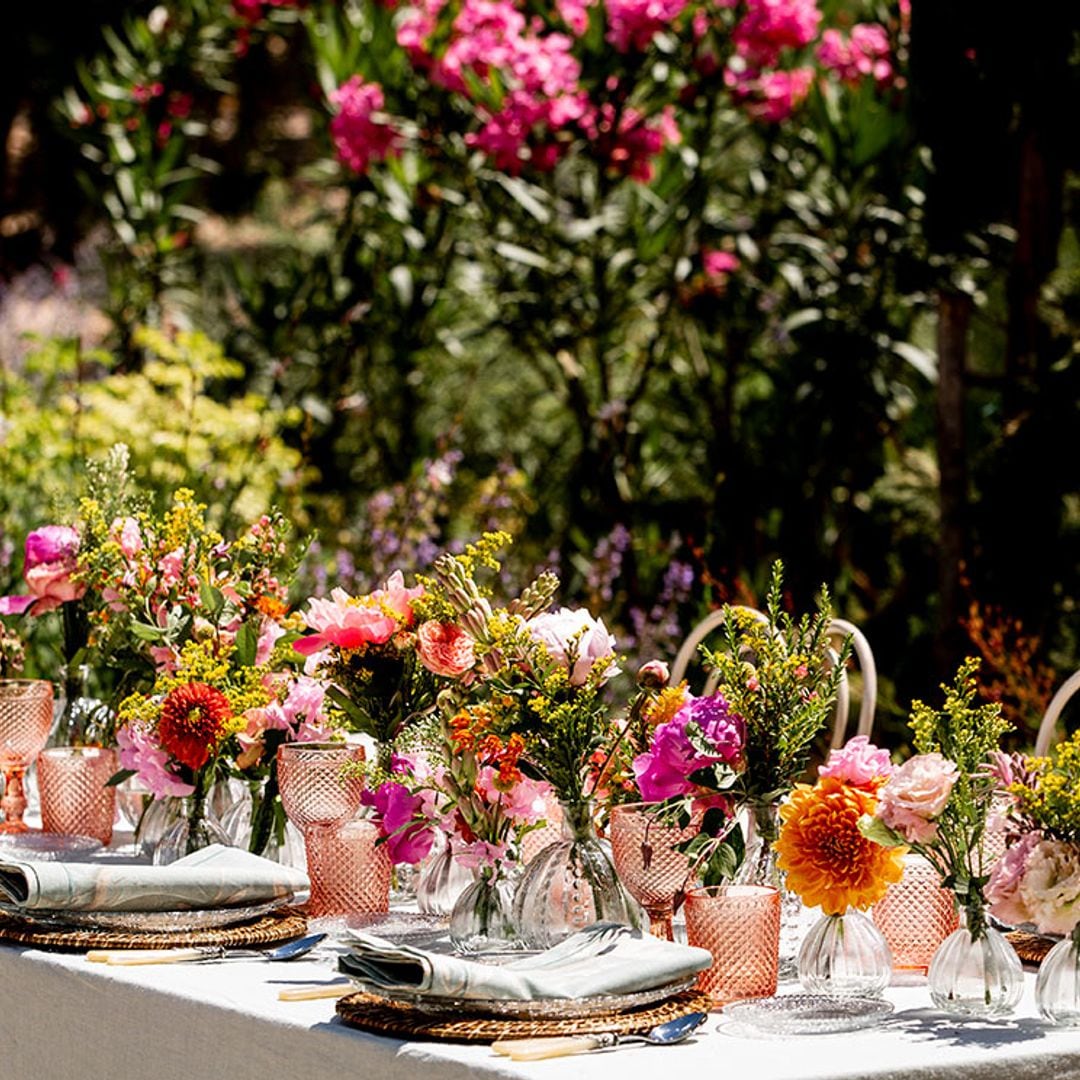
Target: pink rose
577 640
917 792
859 763
1003 889
445 649
653 675
344 623
52 556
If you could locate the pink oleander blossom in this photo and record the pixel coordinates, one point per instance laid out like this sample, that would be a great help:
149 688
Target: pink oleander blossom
1003 889
632 24
140 752
574 639
51 559
864 53
408 835
575 13
916 794
771 26
360 136
664 770
858 763
770 97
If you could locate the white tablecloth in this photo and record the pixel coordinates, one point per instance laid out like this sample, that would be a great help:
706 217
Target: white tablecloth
62 1017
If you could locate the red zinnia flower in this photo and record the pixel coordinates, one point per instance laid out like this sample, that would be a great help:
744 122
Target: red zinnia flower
192 719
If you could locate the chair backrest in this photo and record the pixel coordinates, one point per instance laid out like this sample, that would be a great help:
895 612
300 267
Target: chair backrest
1053 713
841 628
838 628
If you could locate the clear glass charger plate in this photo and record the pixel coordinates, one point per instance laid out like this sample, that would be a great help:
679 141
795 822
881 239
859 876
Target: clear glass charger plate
147 922
45 847
541 1009
808 1014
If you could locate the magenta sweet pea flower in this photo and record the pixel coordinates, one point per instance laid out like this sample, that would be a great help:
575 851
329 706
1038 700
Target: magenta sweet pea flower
408 838
52 557
664 770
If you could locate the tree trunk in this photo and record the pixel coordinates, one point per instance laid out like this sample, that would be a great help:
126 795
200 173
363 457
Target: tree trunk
954 316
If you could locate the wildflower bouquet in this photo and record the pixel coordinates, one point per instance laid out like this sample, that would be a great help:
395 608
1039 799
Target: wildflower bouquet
938 801
1037 880
211 716
781 678
828 860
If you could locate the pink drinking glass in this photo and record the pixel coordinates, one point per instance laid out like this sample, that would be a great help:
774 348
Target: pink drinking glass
74 798
26 716
740 926
916 915
648 863
319 796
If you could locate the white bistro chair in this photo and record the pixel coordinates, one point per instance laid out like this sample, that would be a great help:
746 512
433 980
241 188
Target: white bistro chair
1048 727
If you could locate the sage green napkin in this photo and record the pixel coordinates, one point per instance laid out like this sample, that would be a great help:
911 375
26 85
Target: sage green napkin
214 877
602 959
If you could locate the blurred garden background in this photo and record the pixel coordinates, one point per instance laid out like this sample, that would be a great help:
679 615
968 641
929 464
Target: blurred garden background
665 288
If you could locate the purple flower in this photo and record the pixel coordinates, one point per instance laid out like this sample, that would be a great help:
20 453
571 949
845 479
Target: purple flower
664 770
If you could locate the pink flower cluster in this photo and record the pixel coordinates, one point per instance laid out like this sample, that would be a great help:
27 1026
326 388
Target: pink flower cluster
858 763
770 26
51 558
359 136
140 752
916 794
864 53
664 771
1037 880
630 144
770 96
632 24
718 264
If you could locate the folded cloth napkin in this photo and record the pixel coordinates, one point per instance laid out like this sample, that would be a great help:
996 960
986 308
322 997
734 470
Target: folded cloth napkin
213 877
603 959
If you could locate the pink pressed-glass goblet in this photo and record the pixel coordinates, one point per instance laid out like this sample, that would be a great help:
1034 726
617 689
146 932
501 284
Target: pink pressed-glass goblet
26 715
319 795
648 862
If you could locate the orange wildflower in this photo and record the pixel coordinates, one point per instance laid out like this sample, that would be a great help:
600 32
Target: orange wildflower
828 860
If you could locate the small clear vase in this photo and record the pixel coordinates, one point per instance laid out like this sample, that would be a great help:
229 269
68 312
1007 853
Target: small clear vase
79 718
976 972
1057 988
845 956
442 878
482 920
571 884
197 828
759 868
284 843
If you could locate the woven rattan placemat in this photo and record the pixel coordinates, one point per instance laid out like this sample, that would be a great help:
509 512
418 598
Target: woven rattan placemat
1031 948
275 927
404 1021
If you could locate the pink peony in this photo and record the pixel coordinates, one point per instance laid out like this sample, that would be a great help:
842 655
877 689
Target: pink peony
1002 891
52 557
409 835
576 640
396 599
653 675
445 649
917 792
140 752
1050 886
664 770
344 622
859 763
359 136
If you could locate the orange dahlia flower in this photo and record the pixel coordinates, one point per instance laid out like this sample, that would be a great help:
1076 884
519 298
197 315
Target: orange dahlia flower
193 719
828 860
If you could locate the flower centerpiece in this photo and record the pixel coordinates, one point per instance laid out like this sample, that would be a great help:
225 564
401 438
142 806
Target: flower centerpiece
830 863
1037 880
937 803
